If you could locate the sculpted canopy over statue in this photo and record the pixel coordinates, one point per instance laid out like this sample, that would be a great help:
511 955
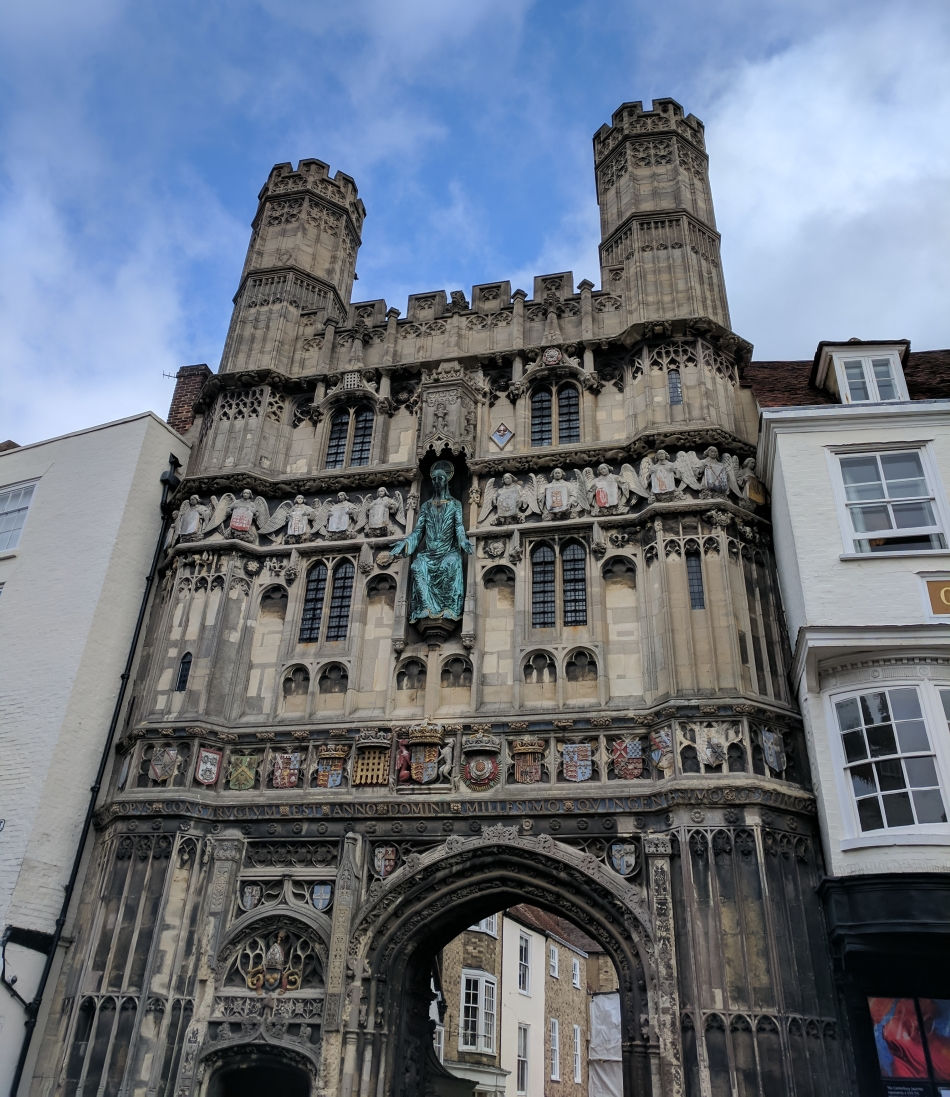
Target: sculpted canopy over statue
438 541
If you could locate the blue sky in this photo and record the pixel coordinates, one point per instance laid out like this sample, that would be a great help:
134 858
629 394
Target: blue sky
134 137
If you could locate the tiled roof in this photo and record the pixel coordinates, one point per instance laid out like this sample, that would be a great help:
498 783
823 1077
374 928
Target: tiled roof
545 922
787 384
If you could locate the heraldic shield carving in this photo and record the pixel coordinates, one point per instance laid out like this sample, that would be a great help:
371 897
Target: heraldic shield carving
480 770
528 753
576 761
627 758
425 742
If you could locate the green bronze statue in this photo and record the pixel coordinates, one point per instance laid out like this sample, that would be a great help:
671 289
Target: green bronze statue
438 586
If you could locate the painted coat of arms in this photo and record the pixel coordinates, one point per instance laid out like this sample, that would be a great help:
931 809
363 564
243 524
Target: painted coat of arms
424 762
627 758
480 770
251 895
163 763
242 772
321 895
624 857
330 765
286 769
208 766
773 749
576 761
528 755
384 860
661 750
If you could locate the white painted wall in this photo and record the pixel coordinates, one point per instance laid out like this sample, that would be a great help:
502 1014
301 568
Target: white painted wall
71 593
520 1008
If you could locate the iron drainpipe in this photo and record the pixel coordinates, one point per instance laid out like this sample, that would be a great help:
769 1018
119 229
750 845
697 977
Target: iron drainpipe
170 481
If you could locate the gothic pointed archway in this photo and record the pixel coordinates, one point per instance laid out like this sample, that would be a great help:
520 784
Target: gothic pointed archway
417 911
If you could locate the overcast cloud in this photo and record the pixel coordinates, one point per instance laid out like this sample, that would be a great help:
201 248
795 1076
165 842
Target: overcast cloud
134 138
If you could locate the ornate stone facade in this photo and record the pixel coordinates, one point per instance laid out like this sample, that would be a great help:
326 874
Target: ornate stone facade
313 792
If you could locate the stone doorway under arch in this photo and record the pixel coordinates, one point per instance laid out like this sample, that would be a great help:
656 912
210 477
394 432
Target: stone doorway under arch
253 1073
419 912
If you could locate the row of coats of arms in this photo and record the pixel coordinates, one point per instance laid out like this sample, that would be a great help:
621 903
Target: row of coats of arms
413 763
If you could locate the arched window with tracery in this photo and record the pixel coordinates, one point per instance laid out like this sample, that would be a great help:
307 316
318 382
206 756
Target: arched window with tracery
351 437
341 596
313 604
558 592
184 670
555 415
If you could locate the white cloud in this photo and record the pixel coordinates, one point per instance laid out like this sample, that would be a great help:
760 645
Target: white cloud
831 175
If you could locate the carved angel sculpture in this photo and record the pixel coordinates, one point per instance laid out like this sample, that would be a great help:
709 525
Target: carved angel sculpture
658 473
295 519
563 498
381 511
341 517
509 501
189 525
238 517
608 491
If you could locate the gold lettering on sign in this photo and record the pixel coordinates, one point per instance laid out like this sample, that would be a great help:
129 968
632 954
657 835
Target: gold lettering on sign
939 591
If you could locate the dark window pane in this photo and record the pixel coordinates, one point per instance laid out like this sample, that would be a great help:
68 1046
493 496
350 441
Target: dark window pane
675 387
854 746
874 708
921 772
362 436
912 736
881 741
904 704
568 415
184 669
694 580
869 814
313 604
541 433
336 446
862 780
849 716
339 616
897 810
890 775
542 587
929 806
574 575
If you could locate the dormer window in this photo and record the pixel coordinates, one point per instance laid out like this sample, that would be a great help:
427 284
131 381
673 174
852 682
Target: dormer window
858 373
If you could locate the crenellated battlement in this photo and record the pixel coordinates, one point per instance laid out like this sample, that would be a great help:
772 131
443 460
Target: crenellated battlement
314 175
630 119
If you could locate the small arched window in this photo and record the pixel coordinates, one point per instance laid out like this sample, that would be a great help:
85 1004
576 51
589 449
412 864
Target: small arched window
555 415
574 584
313 604
543 610
351 437
338 621
184 669
558 591
674 387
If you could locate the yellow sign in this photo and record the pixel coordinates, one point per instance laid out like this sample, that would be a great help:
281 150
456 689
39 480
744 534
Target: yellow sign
939 591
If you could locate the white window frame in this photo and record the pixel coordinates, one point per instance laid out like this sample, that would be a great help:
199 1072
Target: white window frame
578 1076
553 961
438 1042
853 538
936 725
832 372
575 972
555 1028
524 963
487 925
521 1061
486 1011
15 499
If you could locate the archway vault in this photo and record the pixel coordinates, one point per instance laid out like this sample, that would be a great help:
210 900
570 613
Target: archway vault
432 897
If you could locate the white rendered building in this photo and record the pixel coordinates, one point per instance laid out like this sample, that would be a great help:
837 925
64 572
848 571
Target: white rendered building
859 470
80 518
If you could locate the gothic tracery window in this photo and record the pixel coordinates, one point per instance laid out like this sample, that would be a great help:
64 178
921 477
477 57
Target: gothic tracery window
315 602
552 593
351 437
555 415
